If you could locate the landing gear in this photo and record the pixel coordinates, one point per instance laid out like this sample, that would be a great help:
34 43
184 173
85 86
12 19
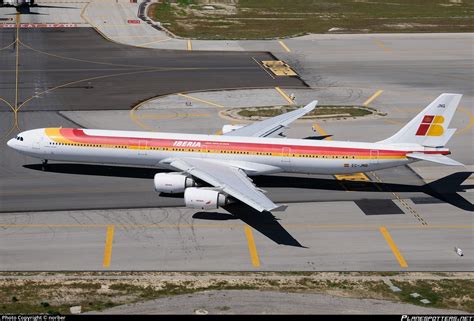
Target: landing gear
44 164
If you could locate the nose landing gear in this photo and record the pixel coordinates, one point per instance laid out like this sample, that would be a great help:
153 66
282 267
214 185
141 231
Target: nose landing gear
44 165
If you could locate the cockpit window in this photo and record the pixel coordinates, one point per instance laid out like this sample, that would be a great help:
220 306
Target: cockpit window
19 138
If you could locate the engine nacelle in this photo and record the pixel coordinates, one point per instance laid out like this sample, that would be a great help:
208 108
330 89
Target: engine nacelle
171 183
230 128
204 199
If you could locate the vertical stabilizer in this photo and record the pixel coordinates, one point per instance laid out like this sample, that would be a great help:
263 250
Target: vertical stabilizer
430 127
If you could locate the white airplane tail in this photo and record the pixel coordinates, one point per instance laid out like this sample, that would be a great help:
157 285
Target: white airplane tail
430 127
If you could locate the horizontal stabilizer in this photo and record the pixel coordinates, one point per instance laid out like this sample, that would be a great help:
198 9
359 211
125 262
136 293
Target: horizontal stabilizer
435 158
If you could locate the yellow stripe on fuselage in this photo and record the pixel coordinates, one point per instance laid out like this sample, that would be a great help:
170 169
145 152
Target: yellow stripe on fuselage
55 135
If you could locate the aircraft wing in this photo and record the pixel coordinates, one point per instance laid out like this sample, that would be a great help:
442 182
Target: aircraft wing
229 179
272 126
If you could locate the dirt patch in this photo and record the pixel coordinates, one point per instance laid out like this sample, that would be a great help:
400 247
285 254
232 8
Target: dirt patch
57 292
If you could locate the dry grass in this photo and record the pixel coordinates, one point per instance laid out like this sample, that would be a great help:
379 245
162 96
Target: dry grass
55 293
249 19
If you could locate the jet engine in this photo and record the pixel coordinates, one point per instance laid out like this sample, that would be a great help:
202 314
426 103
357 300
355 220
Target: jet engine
171 183
204 199
230 128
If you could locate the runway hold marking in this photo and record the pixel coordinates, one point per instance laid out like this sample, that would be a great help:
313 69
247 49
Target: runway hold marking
252 247
263 68
394 248
371 98
407 207
284 46
287 98
190 45
382 46
108 245
201 100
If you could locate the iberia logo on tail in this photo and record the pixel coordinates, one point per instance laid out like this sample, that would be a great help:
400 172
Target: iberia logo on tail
431 126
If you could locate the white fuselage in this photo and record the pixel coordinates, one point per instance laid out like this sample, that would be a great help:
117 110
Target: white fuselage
254 155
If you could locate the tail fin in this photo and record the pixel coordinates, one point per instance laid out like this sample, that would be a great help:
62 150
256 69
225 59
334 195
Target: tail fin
430 127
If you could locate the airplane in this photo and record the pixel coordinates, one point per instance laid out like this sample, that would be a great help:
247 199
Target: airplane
23 6
18 4
215 170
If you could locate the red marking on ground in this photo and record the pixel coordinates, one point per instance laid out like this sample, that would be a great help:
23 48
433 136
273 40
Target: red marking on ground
39 25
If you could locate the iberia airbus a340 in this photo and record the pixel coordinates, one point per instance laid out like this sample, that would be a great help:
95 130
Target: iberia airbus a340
225 162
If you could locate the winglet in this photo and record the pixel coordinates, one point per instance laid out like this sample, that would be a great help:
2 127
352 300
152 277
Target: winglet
309 107
280 208
273 126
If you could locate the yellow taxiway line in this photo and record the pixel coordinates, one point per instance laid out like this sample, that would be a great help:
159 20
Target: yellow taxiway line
321 131
108 245
201 100
287 98
394 248
168 116
252 247
17 63
284 46
382 46
372 98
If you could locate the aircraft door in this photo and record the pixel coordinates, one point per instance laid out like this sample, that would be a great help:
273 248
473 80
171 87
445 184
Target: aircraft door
285 151
142 147
37 142
374 156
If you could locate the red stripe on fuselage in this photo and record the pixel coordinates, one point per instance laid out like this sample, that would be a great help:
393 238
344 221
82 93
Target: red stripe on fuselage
79 136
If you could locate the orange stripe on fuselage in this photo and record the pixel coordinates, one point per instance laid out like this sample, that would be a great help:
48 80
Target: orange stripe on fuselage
78 136
56 136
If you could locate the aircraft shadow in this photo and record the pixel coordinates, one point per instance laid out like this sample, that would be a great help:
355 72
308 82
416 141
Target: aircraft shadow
98 170
444 189
265 223
214 216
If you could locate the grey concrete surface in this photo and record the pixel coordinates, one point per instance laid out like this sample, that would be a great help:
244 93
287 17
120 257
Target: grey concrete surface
266 302
77 69
326 236
412 71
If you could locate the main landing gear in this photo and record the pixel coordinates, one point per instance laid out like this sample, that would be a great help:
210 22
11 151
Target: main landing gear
44 164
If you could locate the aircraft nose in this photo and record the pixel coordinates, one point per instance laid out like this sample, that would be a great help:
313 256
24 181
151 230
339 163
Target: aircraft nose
10 143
